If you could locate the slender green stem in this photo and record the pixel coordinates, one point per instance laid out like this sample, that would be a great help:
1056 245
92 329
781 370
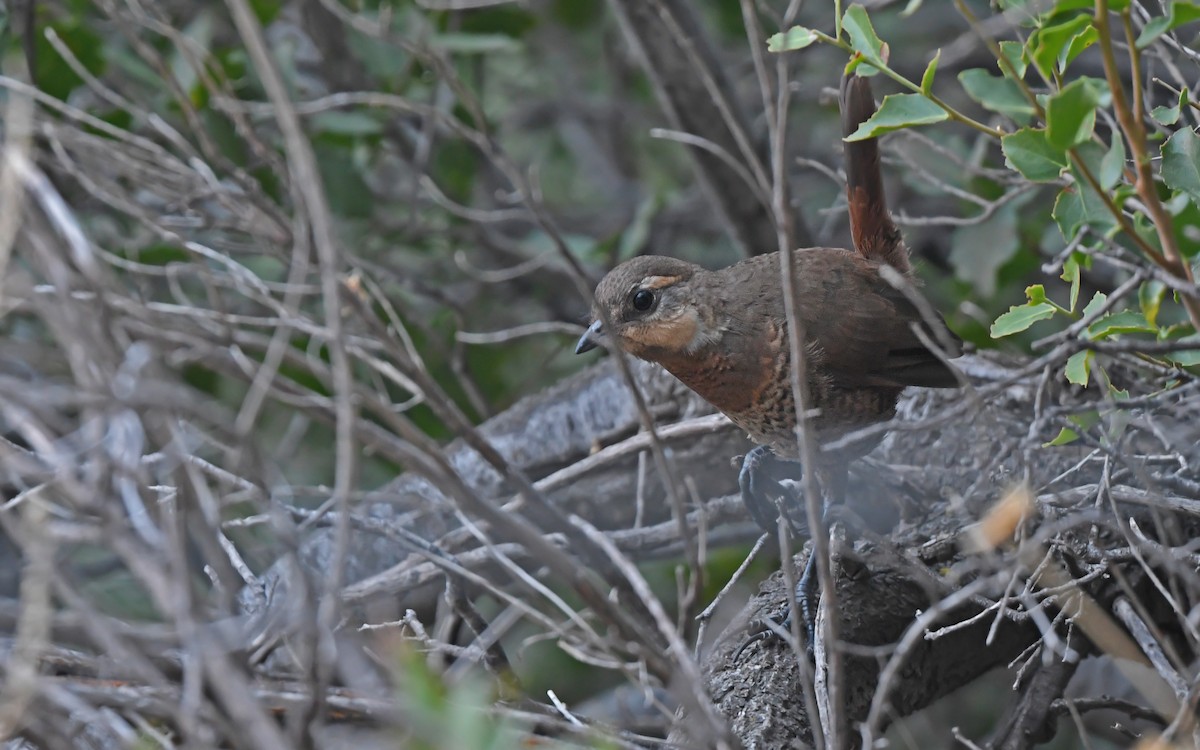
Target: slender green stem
1005 65
883 68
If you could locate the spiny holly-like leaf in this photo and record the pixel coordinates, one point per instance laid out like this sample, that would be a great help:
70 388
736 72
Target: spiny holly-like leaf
1071 115
899 111
1181 162
996 93
1028 152
1020 317
797 37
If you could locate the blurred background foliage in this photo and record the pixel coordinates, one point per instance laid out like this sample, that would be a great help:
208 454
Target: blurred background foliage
558 91
553 83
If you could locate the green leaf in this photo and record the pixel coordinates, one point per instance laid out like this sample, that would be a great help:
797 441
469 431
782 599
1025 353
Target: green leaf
1071 275
1065 436
1028 152
1150 298
1178 13
1187 357
863 40
198 35
266 10
1020 317
53 75
797 37
1071 115
348 193
1078 44
1095 303
930 70
1052 43
1082 421
981 249
455 167
1069 212
998 94
1014 55
1170 115
1113 164
474 44
510 20
1185 217
348 123
1078 205
1079 367
899 111
1181 162
1085 420
1126 321
1165 115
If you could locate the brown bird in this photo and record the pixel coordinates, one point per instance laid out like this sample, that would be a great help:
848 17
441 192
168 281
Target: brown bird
724 334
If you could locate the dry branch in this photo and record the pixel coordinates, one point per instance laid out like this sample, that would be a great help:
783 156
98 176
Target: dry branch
115 462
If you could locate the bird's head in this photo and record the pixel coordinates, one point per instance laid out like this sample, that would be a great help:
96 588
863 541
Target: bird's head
651 307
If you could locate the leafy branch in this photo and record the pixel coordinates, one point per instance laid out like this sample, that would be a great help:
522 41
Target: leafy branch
1052 138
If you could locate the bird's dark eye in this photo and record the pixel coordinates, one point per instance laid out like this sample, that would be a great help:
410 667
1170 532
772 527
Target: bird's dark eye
643 300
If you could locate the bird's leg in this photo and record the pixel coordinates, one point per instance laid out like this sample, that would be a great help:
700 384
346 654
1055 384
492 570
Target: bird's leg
808 588
759 480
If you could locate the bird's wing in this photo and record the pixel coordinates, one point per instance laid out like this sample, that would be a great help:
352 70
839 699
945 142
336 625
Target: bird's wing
866 330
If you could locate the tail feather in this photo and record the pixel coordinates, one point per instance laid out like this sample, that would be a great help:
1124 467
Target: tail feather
875 235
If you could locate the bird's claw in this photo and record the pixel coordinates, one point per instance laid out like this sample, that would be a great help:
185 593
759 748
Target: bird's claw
807 596
776 627
763 494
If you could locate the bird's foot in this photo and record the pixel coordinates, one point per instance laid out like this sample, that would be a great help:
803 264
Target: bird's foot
763 494
774 627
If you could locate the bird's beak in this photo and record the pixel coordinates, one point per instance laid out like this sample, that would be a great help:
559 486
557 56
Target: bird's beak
590 339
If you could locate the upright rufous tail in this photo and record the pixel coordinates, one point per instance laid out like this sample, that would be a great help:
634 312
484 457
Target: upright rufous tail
875 235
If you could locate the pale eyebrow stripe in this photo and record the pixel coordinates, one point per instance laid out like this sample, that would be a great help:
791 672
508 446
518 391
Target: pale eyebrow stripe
657 282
